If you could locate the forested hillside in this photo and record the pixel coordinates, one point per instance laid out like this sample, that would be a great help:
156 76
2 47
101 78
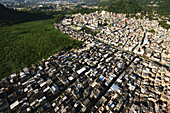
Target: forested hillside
9 16
124 6
24 44
162 7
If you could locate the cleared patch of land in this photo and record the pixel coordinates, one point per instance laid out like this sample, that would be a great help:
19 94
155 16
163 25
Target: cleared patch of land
24 44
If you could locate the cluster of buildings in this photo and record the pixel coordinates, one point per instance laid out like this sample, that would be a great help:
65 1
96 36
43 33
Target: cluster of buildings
140 36
68 81
94 78
143 87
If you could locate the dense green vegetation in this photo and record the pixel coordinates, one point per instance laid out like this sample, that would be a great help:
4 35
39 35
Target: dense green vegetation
124 6
27 43
132 6
164 24
152 31
164 7
10 17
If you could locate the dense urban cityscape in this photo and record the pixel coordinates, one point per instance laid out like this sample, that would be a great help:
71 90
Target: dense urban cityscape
122 66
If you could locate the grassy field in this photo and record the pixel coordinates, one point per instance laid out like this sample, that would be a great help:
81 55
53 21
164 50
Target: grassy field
24 44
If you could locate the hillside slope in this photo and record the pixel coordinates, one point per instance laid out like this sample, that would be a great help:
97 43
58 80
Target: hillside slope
133 6
124 6
27 43
9 16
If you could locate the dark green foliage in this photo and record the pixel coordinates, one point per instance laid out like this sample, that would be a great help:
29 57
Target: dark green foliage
164 24
27 43
133 6
105 24
10 17
59 17
124 6
164 8
152 31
